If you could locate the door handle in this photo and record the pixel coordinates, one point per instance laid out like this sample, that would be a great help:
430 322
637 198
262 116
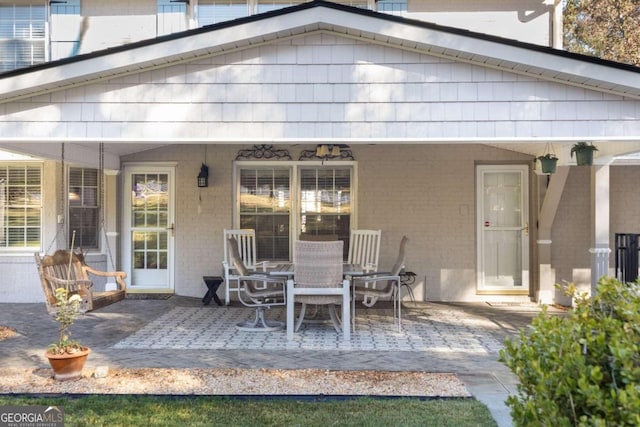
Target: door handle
172 228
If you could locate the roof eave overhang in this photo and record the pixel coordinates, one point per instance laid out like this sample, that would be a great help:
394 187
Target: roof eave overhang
521 58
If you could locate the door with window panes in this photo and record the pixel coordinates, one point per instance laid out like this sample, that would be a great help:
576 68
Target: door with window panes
503 228
148 235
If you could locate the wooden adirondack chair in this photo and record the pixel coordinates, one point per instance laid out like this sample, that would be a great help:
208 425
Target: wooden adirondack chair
56 272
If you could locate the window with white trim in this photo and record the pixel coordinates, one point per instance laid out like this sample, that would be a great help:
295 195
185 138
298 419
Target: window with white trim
65 28
283 202
214 11
325 202
267 5
65 7
172 16
20 206
84 208
265 206
392 7
22 34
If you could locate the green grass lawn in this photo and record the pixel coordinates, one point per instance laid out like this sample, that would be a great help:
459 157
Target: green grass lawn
122 410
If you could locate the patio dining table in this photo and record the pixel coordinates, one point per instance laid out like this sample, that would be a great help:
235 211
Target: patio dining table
288 270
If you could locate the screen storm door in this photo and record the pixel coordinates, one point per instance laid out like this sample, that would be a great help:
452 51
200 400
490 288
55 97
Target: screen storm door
503 229
148 236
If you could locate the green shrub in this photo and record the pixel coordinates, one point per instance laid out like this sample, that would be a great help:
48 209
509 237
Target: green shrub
582 369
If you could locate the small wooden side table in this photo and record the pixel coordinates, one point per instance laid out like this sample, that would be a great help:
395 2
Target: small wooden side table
213 283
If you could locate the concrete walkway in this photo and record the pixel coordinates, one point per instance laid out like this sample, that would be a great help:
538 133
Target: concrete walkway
462 338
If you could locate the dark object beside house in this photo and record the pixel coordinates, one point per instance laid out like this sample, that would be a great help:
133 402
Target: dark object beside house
213 283
626 257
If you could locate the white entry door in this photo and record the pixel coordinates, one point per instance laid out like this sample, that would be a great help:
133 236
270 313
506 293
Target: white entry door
148 231
503 228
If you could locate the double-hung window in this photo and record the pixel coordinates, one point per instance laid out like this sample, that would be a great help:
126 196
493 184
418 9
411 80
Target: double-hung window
65 28
84 208
20 206
267 5
22 34
392 7
290 200
265 206
325 201
172 16
214 11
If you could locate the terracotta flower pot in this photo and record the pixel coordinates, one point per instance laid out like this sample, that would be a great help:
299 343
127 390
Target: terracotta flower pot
68 366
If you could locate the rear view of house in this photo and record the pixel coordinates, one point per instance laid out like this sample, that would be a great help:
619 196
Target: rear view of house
410 117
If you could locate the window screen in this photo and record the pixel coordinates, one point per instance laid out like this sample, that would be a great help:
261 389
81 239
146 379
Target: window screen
20 206
65 7
214 11
265 206
267 5
172 16
84 207
393 7
325 202
22 34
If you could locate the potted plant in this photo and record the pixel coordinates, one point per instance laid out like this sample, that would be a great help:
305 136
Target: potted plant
584 153
548 162
67 357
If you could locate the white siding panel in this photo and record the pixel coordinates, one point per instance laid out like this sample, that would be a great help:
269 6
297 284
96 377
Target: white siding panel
311 88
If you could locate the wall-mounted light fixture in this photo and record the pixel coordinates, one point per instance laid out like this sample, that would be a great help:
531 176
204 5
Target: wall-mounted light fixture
328 151
203 176
324 150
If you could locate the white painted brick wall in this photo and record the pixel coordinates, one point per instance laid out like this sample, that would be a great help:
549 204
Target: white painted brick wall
423 191
438 217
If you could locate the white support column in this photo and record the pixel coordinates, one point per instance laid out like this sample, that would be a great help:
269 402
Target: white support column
599 265
600 248
111 235
546 274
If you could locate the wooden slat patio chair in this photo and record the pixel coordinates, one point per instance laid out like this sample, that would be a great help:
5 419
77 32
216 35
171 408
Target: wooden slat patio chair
57 272
364 250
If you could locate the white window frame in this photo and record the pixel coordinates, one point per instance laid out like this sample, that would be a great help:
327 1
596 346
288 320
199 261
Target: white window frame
25 247
98 207
188 14
253 6
15 37
294 167
392 7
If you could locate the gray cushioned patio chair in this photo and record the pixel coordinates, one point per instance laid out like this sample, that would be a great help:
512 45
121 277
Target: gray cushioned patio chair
387 285
259 290
318 280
